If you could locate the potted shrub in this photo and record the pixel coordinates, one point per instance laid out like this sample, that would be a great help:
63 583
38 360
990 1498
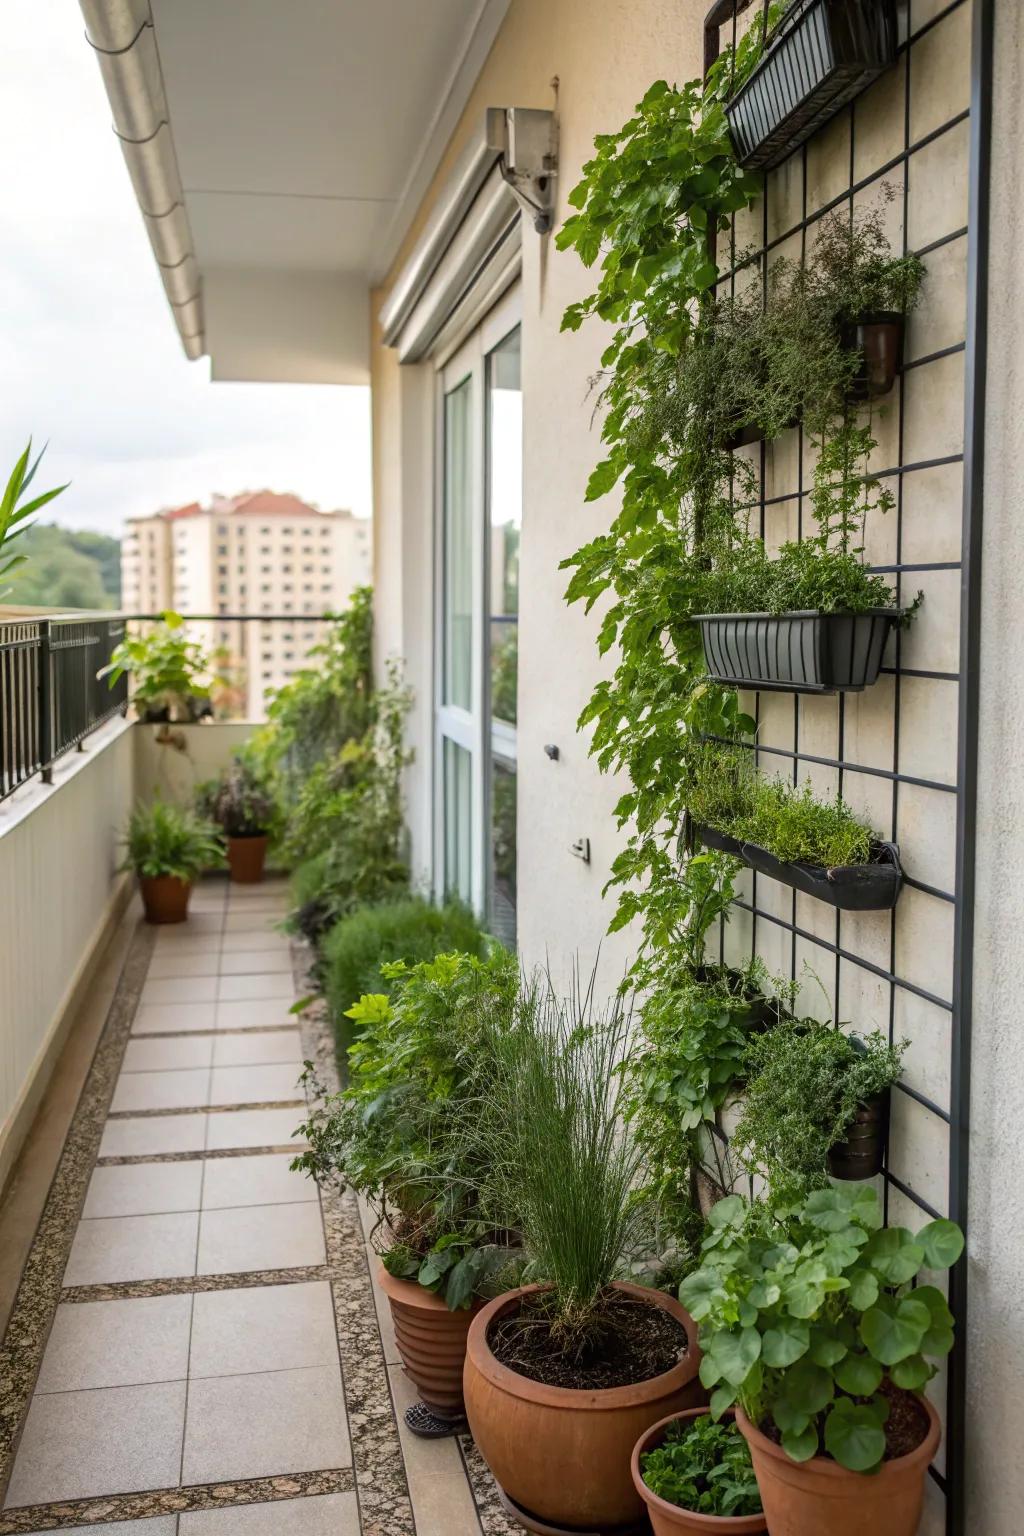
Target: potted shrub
816 1102
168 848
696 1475
810 1327
562 1376
397 1135
169 672
241 802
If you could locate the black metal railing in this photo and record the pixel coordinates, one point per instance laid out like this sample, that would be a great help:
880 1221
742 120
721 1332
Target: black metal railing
50 694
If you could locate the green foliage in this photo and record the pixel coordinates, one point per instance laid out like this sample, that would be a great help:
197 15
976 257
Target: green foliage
806 1313
68 568
169 672
162 839
15 511
853 272
397 1133
241 802
361 946
805 1082
705 1467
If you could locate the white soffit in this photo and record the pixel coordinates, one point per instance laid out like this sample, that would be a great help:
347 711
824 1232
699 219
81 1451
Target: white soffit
290 143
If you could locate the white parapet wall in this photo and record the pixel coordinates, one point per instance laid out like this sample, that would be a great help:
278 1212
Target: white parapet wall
61 894
173 760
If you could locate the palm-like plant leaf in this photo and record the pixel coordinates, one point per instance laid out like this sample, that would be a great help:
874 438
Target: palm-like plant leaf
14 514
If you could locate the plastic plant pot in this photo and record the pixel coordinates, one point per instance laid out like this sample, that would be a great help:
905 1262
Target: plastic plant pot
801 652
873 887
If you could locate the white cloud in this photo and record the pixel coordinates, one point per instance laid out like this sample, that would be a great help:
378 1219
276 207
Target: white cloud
89 355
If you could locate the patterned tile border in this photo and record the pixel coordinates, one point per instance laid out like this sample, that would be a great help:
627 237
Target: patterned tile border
187 1285
39 1291
172 1501
490 1512
206 1109
199 1156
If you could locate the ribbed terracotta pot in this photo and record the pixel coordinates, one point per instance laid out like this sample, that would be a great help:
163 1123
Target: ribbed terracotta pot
563 1454
246 858
815 1497
431 1341
669 1519
165 898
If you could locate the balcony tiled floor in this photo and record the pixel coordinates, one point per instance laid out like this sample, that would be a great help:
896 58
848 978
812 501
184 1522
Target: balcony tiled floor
198 1347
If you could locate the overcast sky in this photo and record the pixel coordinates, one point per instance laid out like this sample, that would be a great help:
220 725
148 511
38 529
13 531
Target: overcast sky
89 354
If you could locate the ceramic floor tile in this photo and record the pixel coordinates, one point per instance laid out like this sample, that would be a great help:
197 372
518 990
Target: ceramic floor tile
267 889
162 1525
255 1014
251 941
265 1425
199 925
152 1134
329 1514
245 920
274 1084
117 1343
162 1090
254 1128
174 1018
262 1328
164 1055
266 1180
184 989
242 963
137 1248
260 1048
260 1237
144 1189
237 989
182 941
170 962
78 1445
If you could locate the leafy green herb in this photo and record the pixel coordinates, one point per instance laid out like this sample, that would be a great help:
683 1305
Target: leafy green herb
704 1467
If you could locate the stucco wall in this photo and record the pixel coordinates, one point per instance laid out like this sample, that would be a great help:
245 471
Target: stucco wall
175 767
996 1337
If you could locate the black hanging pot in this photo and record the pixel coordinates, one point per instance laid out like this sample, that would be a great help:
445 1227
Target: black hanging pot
873 887
802 652
761 1012
862 1154
825 53
878 340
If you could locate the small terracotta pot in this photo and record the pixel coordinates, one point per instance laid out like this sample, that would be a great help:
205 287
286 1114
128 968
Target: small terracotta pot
246 858
559 1453
431 1341
811 1497
668 1519
165 898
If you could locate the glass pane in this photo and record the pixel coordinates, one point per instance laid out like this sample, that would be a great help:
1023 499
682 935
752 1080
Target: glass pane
458 821
458 547
505 503
503 852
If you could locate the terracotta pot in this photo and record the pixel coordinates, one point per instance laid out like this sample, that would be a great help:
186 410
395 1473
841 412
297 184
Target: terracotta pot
246 857
811 1497
165 898
563 1454
667 1519
431 1341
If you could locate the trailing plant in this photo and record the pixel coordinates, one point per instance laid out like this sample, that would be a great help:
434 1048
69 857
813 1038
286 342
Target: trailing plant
809 1322
170 674
162 839
14 512
241 801
704 1467
852 271
397 1133
805 1082
361 947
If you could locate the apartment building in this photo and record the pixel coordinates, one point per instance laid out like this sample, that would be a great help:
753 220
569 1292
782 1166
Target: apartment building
266 555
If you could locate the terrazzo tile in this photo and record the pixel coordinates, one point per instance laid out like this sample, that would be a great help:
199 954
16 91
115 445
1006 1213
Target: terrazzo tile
173 1053
259 985
117 1343
174 1018
332 1514
161 1090
266 1180
254 1128
144 1189
275 1084
262 1328
135 1248
152 1135
258 1048
255 1013
265 1424
179 989
260 1237
114 1440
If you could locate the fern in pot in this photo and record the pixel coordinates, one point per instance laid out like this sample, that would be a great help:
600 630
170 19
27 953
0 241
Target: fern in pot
168 848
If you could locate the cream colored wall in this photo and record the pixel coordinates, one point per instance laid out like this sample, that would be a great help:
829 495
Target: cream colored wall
173 768
59 892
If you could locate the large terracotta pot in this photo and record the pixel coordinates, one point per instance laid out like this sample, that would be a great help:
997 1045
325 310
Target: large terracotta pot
813 1497
246 857
668 1519
431 1341
165 898
563 1454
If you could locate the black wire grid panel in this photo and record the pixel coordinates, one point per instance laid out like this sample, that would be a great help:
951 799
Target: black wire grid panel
904 753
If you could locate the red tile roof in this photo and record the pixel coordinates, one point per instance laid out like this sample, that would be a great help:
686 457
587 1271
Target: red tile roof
271 504
192 510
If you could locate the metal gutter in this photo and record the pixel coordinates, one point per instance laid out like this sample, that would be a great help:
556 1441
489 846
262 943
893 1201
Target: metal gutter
121 34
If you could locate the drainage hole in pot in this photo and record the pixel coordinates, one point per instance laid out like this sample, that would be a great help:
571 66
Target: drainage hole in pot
619 1341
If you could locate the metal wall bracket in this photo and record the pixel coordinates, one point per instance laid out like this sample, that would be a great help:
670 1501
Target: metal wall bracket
524 138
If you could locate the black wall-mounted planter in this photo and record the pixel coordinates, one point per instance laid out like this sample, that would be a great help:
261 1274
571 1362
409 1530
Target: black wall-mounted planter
806 652
762 1012
825 53
862 1154
873 887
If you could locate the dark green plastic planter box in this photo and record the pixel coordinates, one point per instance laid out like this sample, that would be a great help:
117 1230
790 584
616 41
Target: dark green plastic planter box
873 887
805 652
